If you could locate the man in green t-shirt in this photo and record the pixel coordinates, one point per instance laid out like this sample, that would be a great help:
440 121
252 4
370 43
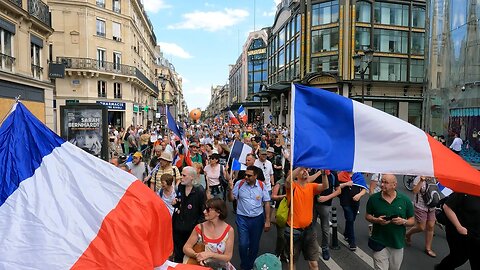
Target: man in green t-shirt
390 212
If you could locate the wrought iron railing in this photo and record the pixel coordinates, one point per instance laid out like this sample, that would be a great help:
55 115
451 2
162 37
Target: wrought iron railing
17 2
6 61
104 66
39 10
37 71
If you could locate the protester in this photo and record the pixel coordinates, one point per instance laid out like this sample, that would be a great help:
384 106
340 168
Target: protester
167 192
253 201
390 212
304 232
424 216
212 176
189 205
267 169
350 202
456 145
137 166
463 231
217 236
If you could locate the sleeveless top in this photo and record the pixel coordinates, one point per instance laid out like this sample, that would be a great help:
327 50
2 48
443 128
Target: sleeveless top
216 246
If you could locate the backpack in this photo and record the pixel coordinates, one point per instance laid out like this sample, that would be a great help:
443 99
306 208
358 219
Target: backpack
431 196
243 182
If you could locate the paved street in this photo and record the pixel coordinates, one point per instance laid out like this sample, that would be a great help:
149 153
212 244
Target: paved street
414 257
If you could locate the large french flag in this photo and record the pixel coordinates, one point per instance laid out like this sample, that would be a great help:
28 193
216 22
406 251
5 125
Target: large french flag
62 208
330 131
233 119
242 115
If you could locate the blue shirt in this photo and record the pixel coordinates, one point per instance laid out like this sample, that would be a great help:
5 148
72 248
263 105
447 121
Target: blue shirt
250 198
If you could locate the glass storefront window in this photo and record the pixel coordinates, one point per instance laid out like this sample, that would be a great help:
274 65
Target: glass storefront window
390 41
362 38
389 69
391 14
418 17
325 13
363 11
418 43
325 40
390 107
325 64
416 70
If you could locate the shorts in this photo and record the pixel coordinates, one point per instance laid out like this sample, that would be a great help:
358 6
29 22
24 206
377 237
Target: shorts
305 243
422 215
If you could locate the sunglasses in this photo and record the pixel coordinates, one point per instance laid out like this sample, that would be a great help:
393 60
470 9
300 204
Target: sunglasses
248 175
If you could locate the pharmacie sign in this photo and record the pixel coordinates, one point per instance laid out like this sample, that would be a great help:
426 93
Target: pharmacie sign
119 106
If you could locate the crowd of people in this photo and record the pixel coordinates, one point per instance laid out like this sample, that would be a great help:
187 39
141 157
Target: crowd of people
196 186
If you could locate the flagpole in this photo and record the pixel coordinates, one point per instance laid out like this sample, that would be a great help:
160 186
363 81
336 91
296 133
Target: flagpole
292 144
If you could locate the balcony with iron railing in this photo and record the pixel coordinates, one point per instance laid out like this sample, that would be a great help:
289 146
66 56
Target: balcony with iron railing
17 2
107 67
37 71
39 10
6 62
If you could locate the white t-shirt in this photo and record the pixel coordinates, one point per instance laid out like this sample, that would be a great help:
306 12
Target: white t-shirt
267 170
377 177
457 144
213 175
418 198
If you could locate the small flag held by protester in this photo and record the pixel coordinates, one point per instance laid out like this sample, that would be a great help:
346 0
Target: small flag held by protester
240 151
233 119
237 166
62 208
330 131
242 115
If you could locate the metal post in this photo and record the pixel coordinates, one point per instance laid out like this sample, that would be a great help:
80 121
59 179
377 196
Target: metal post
334 244
362 74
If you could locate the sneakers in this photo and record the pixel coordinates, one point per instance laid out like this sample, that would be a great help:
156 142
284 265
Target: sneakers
325 254
352 247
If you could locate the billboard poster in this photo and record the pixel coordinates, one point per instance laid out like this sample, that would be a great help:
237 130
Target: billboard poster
85 126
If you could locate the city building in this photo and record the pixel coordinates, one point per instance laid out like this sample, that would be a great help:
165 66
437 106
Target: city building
249 75
316 42
25 31
452 100
219 101
108 49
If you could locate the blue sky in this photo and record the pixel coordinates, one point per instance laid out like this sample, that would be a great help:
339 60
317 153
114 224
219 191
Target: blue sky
201 38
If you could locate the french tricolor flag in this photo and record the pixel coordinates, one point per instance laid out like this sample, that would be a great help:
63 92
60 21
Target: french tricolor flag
62 208
242 115
233 119
330 131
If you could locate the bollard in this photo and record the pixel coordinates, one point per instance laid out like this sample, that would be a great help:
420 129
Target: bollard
334 244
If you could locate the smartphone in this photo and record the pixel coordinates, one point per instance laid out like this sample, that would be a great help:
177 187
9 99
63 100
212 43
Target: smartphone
390 217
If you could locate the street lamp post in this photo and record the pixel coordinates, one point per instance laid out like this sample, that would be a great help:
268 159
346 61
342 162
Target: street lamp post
365 58
163 85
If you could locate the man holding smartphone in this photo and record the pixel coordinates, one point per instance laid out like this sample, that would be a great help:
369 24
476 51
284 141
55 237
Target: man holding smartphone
390 212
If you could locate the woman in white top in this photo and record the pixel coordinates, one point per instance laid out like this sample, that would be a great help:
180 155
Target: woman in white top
212 177
167 192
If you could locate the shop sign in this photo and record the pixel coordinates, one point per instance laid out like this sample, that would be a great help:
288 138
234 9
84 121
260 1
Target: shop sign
135 108
257 51
119 106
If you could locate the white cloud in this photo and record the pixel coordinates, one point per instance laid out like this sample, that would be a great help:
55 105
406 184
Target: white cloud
211 20
197 97
174 49
272 12
155 5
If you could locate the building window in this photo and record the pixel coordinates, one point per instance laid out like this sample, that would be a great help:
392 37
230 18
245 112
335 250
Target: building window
415 113
116 31
416 70
362 38
390 41
281 38
35 52
6 52
389 69
325 40
102 88
418 17
117 61
363 11
101 3
116 6
325 13
117 90
101 58
325 64
391 14
390 107
418 43
298 24
101 28
297 48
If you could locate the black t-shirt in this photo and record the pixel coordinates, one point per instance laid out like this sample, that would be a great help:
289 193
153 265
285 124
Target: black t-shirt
467 209
346 197
277 149
332 184
189 209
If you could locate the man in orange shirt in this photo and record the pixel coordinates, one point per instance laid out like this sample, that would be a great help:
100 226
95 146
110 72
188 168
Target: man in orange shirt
304 233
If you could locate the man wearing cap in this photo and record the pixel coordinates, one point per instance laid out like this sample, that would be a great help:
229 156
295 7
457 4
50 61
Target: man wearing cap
195 156
165 168
267 169
137 166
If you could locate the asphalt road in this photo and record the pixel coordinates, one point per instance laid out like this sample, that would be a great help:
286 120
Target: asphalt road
414 256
